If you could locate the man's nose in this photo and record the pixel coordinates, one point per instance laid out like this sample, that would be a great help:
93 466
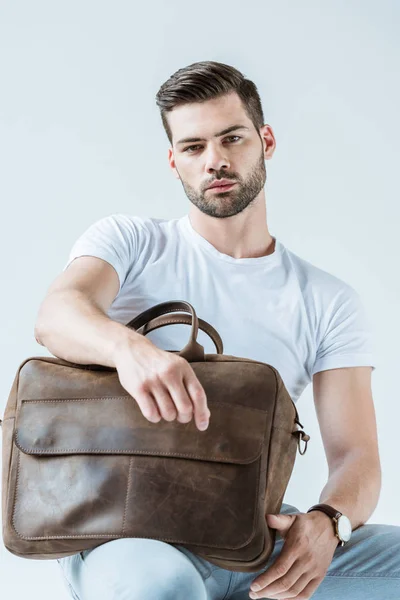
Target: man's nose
216 160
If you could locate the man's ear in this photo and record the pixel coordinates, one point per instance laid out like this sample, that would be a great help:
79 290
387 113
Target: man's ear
269 142
171 160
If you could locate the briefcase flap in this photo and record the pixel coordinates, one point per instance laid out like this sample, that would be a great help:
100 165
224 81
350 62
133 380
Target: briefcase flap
116 425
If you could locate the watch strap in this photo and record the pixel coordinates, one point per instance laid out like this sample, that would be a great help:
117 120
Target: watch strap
328 510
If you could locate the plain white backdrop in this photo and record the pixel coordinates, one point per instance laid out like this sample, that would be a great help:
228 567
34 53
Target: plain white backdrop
81 137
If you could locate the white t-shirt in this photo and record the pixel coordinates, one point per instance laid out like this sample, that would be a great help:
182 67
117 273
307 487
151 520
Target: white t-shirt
279 309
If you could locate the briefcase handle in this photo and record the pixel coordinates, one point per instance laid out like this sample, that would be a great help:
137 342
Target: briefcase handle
148 320
164 320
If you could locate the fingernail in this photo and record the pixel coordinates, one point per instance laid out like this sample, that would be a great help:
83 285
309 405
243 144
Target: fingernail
203 425
255 587
252 595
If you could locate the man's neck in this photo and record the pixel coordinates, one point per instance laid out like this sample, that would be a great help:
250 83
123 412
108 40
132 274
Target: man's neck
241 236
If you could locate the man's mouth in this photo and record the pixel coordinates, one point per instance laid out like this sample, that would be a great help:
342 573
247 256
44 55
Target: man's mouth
221 188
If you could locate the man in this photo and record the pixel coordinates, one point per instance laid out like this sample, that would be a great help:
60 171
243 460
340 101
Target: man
268 304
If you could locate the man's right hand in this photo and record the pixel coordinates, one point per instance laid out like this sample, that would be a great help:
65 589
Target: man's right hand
162 383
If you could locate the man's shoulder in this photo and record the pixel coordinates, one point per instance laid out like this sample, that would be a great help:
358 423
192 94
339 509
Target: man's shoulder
132 228
315 280
141 223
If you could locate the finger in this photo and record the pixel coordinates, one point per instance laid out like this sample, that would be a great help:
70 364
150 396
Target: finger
294 591
164 401
182 401
199 399
306 589
277 570
311 587
281 589
147 404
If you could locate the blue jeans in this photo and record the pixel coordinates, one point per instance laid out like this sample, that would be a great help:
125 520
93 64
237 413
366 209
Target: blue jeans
366 568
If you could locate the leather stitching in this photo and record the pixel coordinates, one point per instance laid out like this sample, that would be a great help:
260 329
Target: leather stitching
146 452
213 402
116 535
119 451
173 322
127 494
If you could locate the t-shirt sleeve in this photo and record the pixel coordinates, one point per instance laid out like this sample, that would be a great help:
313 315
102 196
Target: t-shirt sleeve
112 239
346 334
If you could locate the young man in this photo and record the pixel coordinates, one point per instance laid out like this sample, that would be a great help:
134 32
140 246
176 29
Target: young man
267 304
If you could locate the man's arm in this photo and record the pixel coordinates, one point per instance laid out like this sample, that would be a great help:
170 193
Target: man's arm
346 416
72 321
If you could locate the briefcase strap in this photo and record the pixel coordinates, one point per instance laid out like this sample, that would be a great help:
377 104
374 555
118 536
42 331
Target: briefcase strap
164 320
193 351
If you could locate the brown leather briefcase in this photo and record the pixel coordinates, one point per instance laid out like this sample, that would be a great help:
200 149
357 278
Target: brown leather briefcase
82 465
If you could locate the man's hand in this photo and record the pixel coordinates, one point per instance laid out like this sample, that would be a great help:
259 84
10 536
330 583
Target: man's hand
307 552
163 384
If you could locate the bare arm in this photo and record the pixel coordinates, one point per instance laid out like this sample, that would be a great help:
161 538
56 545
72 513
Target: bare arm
353 488
345 411
83 334
346 415
72 323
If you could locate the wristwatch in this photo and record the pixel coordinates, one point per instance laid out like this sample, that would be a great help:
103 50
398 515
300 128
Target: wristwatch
341 523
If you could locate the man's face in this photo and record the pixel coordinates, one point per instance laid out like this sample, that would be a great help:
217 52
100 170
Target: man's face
237 155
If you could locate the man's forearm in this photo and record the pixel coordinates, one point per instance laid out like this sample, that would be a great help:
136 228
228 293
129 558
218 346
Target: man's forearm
75 329
353 488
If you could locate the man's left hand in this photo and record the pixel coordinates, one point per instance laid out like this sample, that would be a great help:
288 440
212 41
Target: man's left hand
308 549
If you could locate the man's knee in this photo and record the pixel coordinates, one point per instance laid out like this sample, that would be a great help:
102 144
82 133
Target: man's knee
180 582
139 569
375 547
384 536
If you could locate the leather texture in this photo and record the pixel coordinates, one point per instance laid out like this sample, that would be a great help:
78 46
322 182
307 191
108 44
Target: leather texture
82 465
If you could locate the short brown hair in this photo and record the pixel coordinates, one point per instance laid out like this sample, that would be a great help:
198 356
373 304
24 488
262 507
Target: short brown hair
203 81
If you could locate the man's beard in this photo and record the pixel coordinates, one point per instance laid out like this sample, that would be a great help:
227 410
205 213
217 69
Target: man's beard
232 202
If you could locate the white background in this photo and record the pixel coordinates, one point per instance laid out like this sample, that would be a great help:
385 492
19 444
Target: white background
81 137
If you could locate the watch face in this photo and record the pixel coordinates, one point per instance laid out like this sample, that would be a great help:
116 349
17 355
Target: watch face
344 528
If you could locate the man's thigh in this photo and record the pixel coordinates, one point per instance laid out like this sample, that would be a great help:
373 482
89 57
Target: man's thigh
130 568
373 551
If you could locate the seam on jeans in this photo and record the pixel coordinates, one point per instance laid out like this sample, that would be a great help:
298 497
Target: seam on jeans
67 581
73 592
104 582
369 576
197 562
232 579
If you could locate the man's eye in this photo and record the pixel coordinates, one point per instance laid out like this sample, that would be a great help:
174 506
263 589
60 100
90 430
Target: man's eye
229 138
